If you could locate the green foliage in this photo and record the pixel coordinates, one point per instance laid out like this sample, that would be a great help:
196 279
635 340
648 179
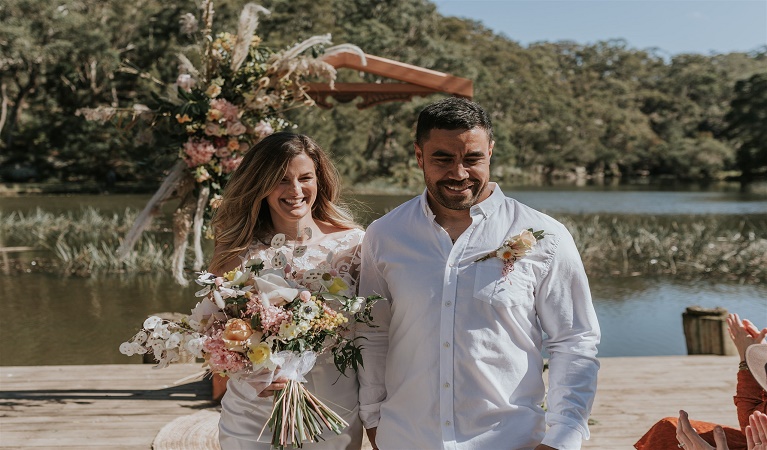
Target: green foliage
604 108
748 123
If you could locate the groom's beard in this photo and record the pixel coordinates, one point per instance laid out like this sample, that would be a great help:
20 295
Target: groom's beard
450 199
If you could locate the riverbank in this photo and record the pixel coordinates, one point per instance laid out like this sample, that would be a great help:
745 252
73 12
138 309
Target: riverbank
126 406
84 242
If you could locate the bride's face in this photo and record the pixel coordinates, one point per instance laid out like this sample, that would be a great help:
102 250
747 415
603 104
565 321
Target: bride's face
294 196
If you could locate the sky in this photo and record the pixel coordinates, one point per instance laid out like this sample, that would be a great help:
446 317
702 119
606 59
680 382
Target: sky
672 26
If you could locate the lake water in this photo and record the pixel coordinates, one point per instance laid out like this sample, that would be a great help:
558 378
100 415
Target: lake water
50 319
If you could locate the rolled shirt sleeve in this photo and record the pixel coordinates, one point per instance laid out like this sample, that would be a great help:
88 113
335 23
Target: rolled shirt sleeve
375 342
567 316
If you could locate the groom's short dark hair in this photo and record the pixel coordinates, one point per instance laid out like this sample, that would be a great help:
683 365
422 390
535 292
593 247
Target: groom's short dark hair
452 113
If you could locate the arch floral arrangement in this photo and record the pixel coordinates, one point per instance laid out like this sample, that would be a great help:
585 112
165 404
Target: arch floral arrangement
235 96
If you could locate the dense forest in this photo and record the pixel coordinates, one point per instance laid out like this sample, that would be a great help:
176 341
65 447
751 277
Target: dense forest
559 108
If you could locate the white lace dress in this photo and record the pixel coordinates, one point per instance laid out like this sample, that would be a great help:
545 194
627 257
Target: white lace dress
243 413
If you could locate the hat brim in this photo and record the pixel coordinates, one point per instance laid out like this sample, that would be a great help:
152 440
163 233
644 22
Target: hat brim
756 358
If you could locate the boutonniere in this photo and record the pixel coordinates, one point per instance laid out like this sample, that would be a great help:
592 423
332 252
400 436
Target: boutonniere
514 248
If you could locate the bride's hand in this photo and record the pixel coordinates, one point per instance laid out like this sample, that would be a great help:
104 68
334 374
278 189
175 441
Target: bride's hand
277 385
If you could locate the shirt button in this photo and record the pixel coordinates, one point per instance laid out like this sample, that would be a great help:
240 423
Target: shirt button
447 385
447 423
446 344
448 303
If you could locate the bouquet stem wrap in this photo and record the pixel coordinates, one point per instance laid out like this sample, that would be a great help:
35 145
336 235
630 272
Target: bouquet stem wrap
297 415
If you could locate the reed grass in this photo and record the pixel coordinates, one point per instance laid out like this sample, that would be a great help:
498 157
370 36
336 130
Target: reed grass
714 247
85 241
688 246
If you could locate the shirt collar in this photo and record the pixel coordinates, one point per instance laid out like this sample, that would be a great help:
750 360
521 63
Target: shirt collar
485 207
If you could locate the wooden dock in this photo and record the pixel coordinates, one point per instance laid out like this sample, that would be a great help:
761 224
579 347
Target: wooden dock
126 406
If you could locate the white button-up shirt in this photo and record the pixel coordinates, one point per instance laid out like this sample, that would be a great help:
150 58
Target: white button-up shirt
455 361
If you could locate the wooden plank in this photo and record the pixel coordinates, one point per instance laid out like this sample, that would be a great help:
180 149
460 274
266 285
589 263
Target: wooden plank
125 406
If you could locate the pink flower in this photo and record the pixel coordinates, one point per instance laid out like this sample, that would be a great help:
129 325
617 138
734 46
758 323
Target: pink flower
197 152
185 82
223 152
229 165
220 358
272 317
228 111
264 129
235 128
213 129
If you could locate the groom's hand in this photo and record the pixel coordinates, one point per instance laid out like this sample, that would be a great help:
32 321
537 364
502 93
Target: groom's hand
372 436
544 447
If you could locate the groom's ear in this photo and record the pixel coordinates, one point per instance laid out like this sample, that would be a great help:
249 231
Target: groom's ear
418 154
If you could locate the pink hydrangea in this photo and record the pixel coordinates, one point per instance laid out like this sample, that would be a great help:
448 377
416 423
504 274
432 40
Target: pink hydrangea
197 152
222 359
272 317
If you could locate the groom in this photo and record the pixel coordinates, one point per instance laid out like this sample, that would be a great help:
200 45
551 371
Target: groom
455 361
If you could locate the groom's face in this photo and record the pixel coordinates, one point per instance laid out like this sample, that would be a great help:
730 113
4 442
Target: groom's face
456 166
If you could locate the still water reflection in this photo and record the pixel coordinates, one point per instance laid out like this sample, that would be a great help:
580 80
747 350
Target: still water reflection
723 199
50 320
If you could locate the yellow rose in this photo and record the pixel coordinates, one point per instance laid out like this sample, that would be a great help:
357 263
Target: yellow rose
259 354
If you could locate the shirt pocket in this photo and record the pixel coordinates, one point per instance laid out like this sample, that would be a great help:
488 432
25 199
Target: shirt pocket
490 286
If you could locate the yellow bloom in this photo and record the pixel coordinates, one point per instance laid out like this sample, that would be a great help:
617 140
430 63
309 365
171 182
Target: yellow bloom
213 91
260 353
214 114
337 286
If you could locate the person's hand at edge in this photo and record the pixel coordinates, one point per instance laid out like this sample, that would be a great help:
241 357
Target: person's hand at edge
744 334
690 440
756 431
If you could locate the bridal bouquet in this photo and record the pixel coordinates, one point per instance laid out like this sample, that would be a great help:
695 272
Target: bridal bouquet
262 321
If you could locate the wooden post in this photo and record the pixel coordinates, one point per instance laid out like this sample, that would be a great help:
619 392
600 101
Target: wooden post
705 332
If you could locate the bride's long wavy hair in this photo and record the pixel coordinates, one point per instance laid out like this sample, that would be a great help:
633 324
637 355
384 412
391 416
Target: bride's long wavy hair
244 215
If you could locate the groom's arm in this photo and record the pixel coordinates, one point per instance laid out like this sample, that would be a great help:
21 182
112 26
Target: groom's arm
566 314
375 342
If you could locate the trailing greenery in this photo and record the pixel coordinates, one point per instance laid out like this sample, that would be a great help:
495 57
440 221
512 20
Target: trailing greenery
610 245
559 108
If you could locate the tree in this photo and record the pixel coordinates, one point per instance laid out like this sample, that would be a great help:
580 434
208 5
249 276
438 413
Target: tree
746 124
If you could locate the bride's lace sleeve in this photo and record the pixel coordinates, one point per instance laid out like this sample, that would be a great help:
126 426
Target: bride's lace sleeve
337 252
346 257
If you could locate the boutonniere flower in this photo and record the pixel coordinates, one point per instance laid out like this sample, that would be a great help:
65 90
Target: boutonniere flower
514 248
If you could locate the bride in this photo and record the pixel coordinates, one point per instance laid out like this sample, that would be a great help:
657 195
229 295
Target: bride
287 184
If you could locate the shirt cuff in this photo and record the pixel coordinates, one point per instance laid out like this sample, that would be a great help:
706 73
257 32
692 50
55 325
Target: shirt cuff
370 415
562 437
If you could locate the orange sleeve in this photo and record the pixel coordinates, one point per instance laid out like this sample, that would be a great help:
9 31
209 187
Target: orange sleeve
749 397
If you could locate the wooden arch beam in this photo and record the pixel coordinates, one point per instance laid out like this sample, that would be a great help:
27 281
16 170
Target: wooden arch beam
412 81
